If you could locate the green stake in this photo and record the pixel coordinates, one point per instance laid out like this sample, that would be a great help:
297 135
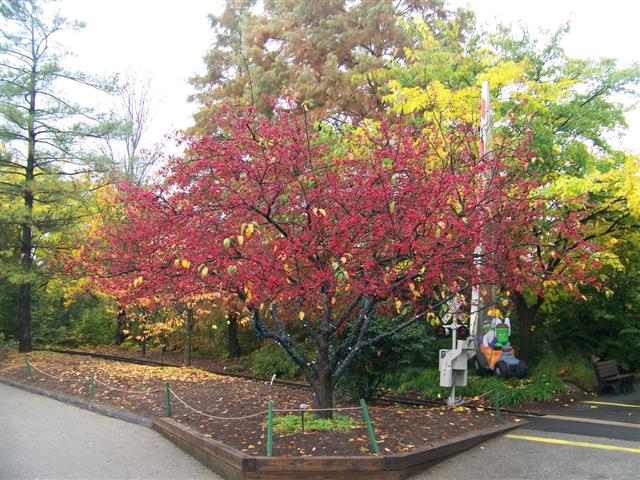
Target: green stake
92 390
270 429
168 401
26 362
367 420
497 406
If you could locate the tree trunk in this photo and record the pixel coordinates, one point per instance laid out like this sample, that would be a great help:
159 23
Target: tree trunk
323 389
24 333
526 315
233 343
26 250
121 323
323 383
189 340
143 346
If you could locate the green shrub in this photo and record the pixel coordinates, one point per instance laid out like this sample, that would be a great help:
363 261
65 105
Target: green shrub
96 326
272 359
293 423
540 387
573 367
413 346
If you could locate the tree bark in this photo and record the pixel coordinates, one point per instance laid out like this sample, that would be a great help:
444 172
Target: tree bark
526 316
143 346
26 250
323 389
121 323
189 340
232 338
323 383
24 312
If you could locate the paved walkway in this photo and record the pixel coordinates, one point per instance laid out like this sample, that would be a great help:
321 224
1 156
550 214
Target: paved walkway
41 438
591 441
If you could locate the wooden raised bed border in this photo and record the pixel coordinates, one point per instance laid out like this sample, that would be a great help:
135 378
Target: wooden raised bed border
232 464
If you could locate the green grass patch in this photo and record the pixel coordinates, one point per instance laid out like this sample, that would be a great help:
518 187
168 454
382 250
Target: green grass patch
293 423
539 387
572 367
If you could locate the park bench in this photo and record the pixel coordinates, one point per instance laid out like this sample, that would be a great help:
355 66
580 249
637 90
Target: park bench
609 377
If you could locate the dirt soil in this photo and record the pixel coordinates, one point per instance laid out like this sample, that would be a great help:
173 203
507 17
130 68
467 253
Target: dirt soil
241 404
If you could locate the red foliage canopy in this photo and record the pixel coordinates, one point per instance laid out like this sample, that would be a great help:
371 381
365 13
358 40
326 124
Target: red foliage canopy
324 232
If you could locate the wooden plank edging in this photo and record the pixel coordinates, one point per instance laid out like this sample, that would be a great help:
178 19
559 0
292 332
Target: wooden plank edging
232 463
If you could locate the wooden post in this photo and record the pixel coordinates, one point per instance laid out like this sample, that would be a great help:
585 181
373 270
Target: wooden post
367 420
92 389
26 362
270 429
168 400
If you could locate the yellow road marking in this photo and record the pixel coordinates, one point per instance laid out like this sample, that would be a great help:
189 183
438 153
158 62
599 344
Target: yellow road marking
559 441
613 404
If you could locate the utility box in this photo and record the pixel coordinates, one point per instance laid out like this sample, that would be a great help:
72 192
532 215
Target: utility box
453 363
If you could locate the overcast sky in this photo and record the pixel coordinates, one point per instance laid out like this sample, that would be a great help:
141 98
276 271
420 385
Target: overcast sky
167 40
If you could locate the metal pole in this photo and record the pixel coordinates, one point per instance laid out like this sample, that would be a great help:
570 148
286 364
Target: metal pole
497 405
92 390
168 400
270 429
367 420
454 338
485 139
26 362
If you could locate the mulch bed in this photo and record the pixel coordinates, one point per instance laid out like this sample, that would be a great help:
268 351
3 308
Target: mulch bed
398 428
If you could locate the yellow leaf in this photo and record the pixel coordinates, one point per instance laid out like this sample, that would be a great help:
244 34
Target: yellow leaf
301 315
249 231
137 282
240 240
185 263
204 272
333 300
398 304
322 212
176 262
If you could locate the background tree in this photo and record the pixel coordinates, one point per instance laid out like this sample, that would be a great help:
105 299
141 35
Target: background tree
46 174
569 108
133 116
320 53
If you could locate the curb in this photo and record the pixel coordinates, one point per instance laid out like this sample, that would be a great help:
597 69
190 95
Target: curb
94 407
236 465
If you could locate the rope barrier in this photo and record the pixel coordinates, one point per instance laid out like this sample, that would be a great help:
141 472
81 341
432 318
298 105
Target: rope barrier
314 409
48 374
213 416
475 399
132 392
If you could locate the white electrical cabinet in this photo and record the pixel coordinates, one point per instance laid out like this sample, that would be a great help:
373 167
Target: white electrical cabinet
453 363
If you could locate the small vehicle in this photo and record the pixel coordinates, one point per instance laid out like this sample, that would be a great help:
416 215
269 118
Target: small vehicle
496 355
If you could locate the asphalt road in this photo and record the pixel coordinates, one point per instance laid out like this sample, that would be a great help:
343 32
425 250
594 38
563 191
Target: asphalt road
591 441
41 438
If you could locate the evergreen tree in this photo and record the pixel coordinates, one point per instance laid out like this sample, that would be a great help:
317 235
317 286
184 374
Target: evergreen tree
45 172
